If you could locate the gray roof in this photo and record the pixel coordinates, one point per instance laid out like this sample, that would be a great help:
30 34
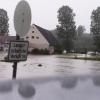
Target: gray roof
48 35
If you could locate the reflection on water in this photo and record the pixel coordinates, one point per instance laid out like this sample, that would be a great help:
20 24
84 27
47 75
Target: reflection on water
96 80
26 90
5 87
69 83
52 88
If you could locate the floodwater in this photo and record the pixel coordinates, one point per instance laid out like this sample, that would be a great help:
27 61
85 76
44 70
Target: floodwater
50 65
52 77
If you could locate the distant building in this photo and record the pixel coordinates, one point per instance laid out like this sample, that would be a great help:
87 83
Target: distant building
40 38
4 41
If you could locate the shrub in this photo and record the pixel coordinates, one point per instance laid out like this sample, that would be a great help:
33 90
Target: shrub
35 51
58 49
45 51
40 51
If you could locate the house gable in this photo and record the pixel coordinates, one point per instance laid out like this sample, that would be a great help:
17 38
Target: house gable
36 39
48 35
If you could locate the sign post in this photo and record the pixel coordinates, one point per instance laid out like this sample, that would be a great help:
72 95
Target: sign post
18 49
17 52
15 63
14 70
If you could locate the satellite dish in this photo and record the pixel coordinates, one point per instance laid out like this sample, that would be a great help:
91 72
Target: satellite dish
22 18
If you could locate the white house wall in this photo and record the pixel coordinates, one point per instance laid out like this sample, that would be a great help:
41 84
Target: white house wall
36 39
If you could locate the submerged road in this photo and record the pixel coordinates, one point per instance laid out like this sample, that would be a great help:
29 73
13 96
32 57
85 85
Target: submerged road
52 65
51 78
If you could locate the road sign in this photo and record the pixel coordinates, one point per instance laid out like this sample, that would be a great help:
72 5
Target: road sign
18 51
22 18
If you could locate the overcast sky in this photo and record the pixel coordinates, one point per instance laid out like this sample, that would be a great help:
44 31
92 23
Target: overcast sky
44 12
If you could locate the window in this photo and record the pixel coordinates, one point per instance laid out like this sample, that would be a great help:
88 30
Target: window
37 37
32 37
27 37
32 31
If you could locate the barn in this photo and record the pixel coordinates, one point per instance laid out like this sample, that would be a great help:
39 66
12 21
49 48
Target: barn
40 38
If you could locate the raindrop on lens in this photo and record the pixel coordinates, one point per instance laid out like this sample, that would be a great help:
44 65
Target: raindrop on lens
26 90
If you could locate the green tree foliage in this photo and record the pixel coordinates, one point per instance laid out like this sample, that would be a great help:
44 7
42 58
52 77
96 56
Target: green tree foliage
95 27
84 43
4 22
66 29
80 30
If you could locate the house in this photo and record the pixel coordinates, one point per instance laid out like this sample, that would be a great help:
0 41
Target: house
40 38
4 41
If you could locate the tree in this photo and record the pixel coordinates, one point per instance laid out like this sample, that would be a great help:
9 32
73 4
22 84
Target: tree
4 22
80 30
95 27
84 43
66 29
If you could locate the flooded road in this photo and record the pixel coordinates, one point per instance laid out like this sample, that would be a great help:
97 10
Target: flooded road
52 77
52 65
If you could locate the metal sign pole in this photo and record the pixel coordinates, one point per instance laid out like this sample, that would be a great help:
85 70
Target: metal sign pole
14 70
22 24
15 63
